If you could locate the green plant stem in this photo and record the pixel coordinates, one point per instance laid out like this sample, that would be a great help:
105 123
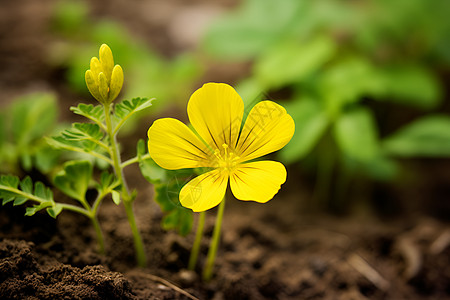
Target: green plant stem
134 160
198 238
208 270
99 233
126 196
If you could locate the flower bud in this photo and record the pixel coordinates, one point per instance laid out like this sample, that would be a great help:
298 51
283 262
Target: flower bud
103 79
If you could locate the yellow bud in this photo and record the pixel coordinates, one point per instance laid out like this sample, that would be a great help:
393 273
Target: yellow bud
103 87
116 83
104 80
106 61
92 85
96 67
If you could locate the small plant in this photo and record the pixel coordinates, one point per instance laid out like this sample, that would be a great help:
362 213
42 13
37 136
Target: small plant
22 125
96 139
225 151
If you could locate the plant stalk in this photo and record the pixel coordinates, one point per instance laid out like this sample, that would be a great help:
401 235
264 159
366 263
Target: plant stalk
198 238
208 270
126 196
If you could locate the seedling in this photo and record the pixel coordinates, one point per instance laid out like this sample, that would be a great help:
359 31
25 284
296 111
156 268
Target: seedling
96 139
226 151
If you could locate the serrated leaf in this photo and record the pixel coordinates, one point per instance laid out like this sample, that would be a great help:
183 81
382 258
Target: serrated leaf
127 108
20 201
54 211
426 137
356 134
83 131
94 113
30 211
9 191
74 179
116 197
60 142
9 181
26 185
6 199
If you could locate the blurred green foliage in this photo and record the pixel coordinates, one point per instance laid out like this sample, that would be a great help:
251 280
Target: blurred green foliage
334 62
23 125
146 71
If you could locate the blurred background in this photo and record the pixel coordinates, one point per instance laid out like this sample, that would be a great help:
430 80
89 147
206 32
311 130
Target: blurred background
365 81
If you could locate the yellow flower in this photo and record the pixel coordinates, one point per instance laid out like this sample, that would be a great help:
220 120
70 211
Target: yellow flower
216 112
103 79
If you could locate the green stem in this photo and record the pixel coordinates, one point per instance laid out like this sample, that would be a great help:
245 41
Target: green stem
208 270
126 196
198 238
134 160
98 231
138 244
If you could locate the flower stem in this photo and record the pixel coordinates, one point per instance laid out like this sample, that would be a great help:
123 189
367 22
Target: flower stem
126 196
208 270
198 238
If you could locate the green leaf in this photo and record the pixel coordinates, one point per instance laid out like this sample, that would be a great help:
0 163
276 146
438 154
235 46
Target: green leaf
61 142
253 27
83 131
151 171
292 61
26 185
74 179
20 200
412 85
426 137
347 82
30 211
108 182
127 108
116 197
9 191
180 220
356 134
33 116
54 211
141 148
310 125
176 216
94 113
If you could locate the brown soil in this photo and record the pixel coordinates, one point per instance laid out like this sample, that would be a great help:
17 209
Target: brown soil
279 250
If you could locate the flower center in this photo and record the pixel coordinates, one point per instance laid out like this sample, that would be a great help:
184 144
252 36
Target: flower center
226 160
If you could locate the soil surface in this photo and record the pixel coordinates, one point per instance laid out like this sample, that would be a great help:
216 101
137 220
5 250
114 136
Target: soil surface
279 250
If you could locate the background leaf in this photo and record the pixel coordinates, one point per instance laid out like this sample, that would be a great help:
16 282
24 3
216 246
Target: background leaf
428 136
356 134
310 125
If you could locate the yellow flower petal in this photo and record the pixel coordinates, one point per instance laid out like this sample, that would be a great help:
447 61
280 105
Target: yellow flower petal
257 181
92 86
215 111
103 87
107 61
96 68
268 128
116 82
204 191
172 145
